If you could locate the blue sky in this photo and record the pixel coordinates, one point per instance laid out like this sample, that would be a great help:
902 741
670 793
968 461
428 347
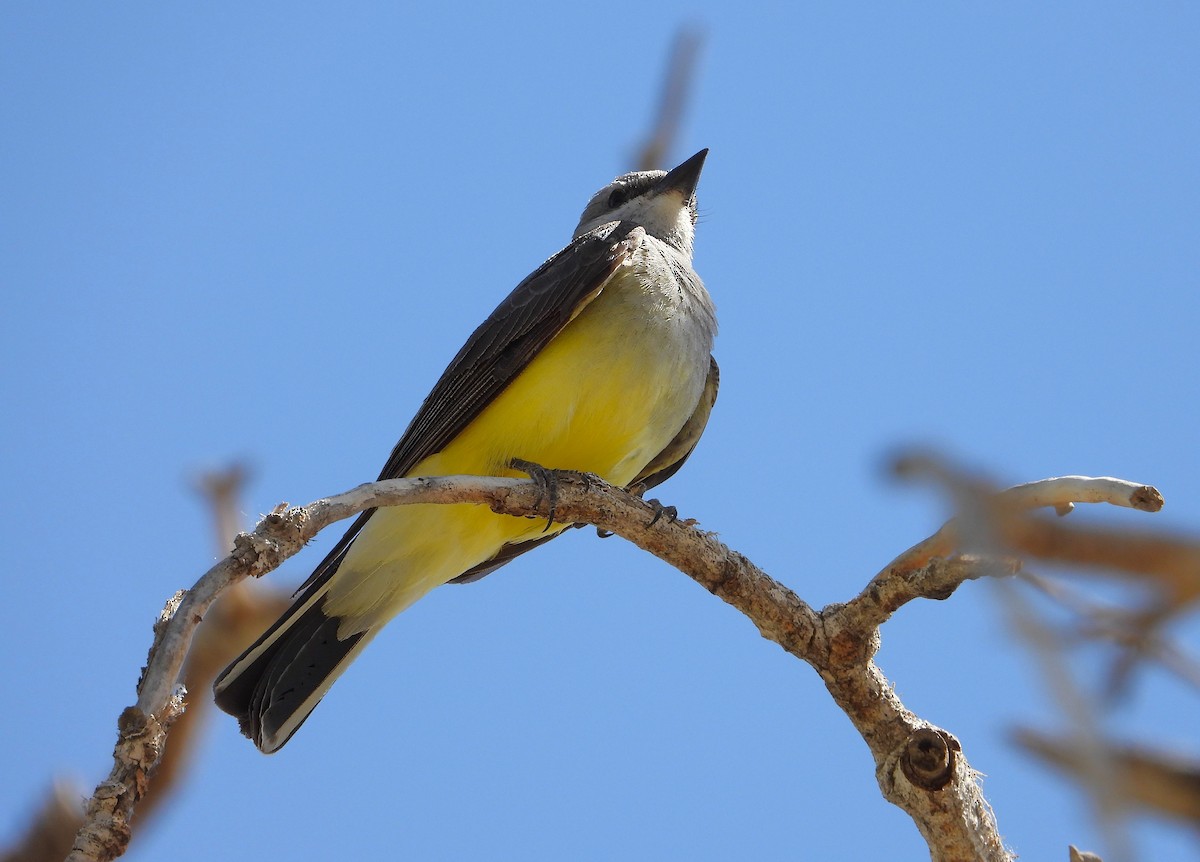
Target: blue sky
260 234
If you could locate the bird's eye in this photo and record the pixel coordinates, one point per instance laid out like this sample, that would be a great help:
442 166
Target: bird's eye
618 197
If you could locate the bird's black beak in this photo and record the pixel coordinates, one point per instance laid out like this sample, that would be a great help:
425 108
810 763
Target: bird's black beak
683 178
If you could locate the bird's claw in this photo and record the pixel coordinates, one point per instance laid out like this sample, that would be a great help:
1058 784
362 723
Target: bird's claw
660 510
547 483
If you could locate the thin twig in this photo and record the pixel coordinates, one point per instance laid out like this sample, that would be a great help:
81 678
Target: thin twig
1081 713
1158 781
677 83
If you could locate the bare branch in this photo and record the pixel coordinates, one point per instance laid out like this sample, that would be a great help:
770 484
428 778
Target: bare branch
681 69
1079 710
1168 563
930 569
222 489
1157 781
52 828
1060 493
919 768
1138 634
142 728
998 526
235 620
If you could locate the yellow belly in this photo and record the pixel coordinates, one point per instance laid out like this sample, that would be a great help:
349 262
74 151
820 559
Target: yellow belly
605 396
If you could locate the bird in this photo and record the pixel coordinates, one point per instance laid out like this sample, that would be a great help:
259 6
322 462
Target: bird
600 361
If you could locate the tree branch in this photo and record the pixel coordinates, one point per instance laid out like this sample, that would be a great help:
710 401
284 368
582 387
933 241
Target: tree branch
1159 781
919 768
677 84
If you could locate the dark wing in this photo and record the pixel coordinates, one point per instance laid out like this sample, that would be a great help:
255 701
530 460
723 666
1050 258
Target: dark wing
659 470
524 323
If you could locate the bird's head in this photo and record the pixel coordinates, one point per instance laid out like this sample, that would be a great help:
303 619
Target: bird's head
662 202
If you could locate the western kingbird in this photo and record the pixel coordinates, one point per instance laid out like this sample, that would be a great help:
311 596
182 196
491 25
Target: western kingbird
599 362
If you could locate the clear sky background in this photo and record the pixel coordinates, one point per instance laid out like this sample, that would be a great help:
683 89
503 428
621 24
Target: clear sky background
260 232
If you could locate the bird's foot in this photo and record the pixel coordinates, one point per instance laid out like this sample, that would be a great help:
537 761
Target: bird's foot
547 482
548 479
671 513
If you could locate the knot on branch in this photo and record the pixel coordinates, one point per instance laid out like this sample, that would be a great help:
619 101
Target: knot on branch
929 758
141 739
249 549
272 540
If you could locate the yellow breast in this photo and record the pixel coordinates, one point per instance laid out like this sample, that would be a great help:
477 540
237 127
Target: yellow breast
604 396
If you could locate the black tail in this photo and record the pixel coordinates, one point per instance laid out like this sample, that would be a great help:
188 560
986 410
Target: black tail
275 684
